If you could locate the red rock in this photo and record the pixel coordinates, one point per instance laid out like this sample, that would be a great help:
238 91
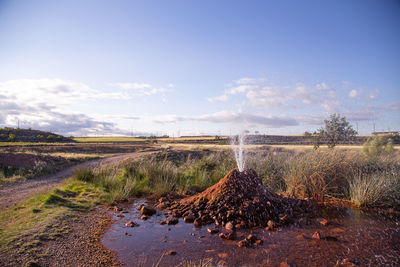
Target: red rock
171 252
131 224
212 230
162 199
147 210
162 206
258 242
316 235
189 218
172 221
116 208
197 223
346 263
284 264
271 226
230 235
144 217
243 243
323 221
223 255
285 219
229 226
251 238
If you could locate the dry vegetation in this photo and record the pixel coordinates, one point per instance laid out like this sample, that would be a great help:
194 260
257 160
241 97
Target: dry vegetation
321 174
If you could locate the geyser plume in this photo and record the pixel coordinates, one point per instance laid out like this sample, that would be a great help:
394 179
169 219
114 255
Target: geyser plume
237 144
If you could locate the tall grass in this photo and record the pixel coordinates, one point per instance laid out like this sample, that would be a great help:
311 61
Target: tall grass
154 175
316 174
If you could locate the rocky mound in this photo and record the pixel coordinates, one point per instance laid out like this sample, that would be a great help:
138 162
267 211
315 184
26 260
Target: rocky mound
239 200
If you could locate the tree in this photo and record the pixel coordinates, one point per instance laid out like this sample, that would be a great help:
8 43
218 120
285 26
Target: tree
336 129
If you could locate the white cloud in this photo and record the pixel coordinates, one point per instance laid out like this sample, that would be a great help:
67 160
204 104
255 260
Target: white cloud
53 91
221 98
373 94
247 81
303 94
353 93
141 89
229 117
267 97
323 86
38 103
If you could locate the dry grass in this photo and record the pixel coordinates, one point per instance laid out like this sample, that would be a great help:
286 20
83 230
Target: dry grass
320 174
108 139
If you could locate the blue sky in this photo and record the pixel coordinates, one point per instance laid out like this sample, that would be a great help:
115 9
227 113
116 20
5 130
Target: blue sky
198 67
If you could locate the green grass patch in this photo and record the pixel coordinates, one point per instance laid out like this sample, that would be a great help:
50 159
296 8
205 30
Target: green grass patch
38 217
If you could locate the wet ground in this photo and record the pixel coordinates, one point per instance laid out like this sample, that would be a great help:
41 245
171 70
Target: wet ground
364 238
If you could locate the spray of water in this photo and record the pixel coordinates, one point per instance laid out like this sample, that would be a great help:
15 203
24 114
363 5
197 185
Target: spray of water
238 149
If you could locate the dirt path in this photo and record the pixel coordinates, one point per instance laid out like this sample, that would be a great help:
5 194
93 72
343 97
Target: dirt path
13 194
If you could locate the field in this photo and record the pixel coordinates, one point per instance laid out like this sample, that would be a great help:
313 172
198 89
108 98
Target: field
32 231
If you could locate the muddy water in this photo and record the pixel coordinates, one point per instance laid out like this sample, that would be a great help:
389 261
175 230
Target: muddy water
367 239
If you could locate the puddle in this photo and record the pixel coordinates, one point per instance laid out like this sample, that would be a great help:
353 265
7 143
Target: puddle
368 239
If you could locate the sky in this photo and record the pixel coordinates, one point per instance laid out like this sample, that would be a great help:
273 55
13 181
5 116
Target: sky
101 68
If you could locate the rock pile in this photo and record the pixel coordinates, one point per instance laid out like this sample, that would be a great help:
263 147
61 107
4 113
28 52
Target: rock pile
239 200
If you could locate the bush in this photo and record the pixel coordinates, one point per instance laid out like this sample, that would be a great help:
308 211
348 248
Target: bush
376 189
11 137
319 174
377 146
84 174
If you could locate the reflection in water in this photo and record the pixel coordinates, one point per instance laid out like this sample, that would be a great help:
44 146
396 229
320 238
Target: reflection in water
365 238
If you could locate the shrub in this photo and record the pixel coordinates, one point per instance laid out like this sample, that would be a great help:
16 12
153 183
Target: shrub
319 174
376 189
84 174
377 146
11 137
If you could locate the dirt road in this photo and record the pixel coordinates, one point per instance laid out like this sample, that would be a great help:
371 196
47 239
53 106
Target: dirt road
13 194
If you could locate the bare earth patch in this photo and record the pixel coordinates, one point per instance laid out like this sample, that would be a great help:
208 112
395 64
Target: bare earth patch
76 243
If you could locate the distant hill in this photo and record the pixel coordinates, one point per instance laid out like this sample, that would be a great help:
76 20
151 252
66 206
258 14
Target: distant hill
29 135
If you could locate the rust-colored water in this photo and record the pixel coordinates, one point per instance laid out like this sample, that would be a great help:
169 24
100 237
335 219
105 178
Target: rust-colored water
368 239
